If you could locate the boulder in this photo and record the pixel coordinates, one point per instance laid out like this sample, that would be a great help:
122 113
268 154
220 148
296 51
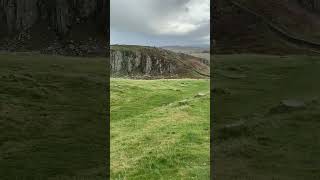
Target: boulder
289 105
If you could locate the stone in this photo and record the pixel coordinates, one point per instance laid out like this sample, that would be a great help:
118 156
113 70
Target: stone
289 105
293 103
199 95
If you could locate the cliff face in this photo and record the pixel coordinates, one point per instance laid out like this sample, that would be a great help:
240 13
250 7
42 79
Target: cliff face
135 62
147 61
61 15
65 27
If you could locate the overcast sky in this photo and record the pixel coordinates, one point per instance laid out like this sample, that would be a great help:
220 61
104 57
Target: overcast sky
160 22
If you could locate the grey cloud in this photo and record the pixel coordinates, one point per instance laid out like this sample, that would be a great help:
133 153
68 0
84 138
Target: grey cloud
162 19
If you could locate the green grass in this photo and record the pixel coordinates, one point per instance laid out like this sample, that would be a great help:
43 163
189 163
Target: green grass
52 117
159 129
253 142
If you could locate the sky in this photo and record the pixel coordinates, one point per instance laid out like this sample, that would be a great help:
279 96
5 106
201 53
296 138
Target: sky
160 22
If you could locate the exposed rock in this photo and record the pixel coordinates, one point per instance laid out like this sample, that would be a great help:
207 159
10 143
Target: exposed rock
199 95
46 26
139 61
19 15
125 63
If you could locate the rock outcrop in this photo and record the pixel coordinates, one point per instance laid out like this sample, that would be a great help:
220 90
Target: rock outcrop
53 26
136 62
140 61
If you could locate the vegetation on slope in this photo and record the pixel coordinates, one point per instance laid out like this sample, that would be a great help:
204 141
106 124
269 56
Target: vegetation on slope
160 129
52 117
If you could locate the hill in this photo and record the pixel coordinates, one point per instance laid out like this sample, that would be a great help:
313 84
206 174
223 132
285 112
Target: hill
151 62
270 26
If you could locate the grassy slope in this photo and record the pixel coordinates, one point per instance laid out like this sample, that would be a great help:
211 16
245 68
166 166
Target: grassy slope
252 143
52 117
153 136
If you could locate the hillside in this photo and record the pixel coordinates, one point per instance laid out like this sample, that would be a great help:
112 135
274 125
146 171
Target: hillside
151 62
236 30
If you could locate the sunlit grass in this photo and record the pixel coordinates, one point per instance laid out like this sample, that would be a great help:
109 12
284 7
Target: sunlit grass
159 129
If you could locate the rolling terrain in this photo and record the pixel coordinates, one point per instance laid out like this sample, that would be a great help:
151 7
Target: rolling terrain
160 129
266 117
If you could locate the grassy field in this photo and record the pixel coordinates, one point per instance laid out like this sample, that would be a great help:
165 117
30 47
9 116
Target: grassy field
255 136
160 129
52 117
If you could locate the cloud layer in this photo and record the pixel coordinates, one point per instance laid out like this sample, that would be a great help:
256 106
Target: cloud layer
162 22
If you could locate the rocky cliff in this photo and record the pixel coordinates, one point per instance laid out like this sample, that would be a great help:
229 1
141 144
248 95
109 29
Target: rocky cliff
137 61
61 15
33 24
